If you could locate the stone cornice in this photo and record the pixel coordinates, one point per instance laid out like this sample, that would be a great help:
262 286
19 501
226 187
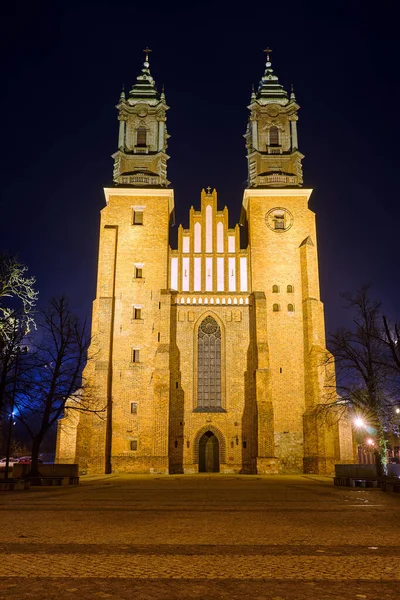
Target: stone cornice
274 192
142 192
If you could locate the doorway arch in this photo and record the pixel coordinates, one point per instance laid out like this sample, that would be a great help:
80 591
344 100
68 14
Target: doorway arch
209 453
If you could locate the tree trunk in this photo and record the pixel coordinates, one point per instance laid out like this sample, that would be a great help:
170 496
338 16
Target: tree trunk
381 466
34 471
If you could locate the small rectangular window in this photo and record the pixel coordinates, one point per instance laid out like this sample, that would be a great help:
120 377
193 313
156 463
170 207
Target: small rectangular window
141 139
137 314
133 444
133 408
138 273
135 355
137 217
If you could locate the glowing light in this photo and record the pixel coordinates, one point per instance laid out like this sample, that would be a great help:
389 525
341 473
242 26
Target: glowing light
370 442
397 411
359 422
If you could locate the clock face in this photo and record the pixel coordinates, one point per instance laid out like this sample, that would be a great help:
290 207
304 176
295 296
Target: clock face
279 219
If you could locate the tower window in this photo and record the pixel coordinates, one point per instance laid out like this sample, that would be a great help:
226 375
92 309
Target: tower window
133 444
290 308
276 308
279 221
275 289
137 314
134 408
209 365
289 289
137 217
138 274
135 355
141 139
273 136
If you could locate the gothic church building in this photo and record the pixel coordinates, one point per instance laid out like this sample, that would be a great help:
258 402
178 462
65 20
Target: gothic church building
208 357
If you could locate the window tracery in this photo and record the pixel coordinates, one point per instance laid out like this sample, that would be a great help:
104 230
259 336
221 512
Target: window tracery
209 365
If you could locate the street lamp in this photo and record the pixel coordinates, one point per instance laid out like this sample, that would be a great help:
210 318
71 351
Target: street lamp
359 422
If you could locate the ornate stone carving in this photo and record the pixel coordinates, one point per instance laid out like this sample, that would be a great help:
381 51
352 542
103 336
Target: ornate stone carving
273 110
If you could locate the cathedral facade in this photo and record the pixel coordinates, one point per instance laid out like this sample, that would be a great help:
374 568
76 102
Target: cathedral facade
211 356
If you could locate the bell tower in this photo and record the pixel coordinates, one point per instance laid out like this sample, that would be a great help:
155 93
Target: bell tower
141 158
271 138
289 330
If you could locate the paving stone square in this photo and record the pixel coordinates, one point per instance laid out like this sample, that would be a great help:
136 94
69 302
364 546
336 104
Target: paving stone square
204 536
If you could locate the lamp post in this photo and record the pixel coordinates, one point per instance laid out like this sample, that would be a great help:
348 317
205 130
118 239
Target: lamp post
19 351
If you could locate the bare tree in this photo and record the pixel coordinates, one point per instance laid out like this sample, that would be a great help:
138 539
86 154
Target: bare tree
18 297
56 360
364 385
392 340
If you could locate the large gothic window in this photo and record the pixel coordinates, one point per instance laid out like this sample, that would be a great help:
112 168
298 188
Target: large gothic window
209 365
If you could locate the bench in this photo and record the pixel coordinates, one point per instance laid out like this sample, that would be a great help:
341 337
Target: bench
390 484
363 482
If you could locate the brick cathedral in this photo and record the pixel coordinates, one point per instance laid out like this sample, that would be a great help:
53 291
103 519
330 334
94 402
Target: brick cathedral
208 357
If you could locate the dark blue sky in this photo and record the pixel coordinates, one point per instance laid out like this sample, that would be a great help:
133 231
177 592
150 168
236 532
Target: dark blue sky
63 67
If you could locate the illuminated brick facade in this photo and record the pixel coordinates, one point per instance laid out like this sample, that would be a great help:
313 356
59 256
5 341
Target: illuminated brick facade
209 356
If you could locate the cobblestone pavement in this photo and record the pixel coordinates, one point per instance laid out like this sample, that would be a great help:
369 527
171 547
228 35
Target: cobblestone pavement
200 537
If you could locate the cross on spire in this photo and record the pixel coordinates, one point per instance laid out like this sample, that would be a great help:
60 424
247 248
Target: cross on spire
208 190
268 51
146 51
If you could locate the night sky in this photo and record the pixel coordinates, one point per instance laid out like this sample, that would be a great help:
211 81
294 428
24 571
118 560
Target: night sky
63 65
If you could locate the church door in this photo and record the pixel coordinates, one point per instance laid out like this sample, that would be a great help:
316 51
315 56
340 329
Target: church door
208 453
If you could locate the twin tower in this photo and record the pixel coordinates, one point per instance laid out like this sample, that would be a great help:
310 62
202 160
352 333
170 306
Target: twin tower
209 357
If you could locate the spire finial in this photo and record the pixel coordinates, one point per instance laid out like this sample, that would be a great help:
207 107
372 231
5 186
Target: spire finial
208 191
268 51
122 96
146 52
292 96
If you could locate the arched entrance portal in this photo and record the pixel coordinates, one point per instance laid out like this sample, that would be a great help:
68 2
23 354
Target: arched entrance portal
208 453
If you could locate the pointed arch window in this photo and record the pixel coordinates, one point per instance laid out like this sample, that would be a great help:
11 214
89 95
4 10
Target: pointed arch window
209 378
273 136
141 137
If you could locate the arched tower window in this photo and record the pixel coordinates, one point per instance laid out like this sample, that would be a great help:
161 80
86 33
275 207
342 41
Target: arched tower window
273 136
275 289
141 139
289 289
209 365
290 308
276 308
